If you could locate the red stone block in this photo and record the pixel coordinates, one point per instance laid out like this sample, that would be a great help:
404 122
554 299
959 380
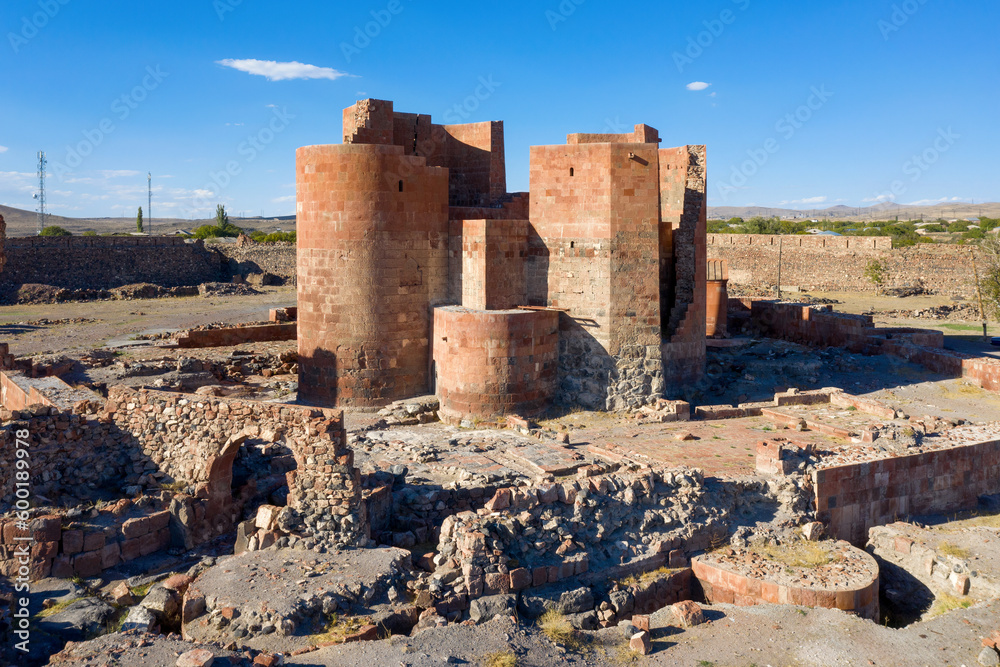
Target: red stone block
62 567
93 541
46 528
159 520
40 550
87 564
110 555
72 541
133 528
130 549
520 579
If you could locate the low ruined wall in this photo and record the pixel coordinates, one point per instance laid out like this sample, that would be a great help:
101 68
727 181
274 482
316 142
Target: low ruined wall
238 335
105 262
278 259
851 499
831 263
820 326
117 535
723 586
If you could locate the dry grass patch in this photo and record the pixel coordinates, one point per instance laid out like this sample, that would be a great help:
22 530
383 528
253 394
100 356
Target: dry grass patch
949 549
337 629
800 553
945 603
56 608
499 659
557 627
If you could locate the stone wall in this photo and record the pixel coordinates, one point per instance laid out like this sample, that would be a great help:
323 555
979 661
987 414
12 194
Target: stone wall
278 259
105 262
195 439
837 264
144 439
851 499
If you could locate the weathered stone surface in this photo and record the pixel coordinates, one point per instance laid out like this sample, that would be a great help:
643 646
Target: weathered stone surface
486 608
139 618
79 620
199 657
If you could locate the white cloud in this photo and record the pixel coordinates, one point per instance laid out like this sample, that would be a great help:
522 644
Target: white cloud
3 149
282 200
118 173
275 71
932 202
880 198
698 85
806 201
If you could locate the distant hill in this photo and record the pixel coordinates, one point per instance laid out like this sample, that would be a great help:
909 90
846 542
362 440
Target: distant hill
882 211
25 223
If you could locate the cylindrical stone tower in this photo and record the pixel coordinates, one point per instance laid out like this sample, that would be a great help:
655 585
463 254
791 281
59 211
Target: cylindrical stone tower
372 259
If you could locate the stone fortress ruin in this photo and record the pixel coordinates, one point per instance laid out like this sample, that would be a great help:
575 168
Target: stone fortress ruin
473 413
419 273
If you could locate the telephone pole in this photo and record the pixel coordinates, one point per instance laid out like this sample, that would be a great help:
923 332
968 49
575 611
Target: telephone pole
149 202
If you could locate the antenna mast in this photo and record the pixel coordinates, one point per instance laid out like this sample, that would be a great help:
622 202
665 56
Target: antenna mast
149 202
42 162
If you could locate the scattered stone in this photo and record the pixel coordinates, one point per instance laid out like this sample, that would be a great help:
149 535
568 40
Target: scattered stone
641 643
688 613
813 531
199 657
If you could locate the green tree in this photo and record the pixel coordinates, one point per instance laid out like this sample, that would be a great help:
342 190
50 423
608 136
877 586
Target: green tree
221 218
138 221
55 230
988 258
875 271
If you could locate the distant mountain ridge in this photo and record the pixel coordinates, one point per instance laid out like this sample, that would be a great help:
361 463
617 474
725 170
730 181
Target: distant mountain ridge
881 211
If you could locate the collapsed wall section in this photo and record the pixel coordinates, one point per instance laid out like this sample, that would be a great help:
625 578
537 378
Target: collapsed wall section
683 278
373 258
473 153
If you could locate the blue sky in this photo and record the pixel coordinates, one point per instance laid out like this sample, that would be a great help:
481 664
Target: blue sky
805 104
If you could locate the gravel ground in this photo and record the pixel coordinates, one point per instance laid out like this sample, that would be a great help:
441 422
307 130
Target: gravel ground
733 636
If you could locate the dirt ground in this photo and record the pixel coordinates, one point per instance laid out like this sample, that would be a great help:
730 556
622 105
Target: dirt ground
111 321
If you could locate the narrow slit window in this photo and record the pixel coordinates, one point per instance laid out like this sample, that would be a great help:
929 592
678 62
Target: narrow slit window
572 172
401 186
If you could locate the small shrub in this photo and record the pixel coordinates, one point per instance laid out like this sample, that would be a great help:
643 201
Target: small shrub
55 230
875 272
557 627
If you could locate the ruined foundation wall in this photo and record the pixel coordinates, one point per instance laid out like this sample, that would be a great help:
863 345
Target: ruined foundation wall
373 258
495 363
837 264
853 498
104 262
